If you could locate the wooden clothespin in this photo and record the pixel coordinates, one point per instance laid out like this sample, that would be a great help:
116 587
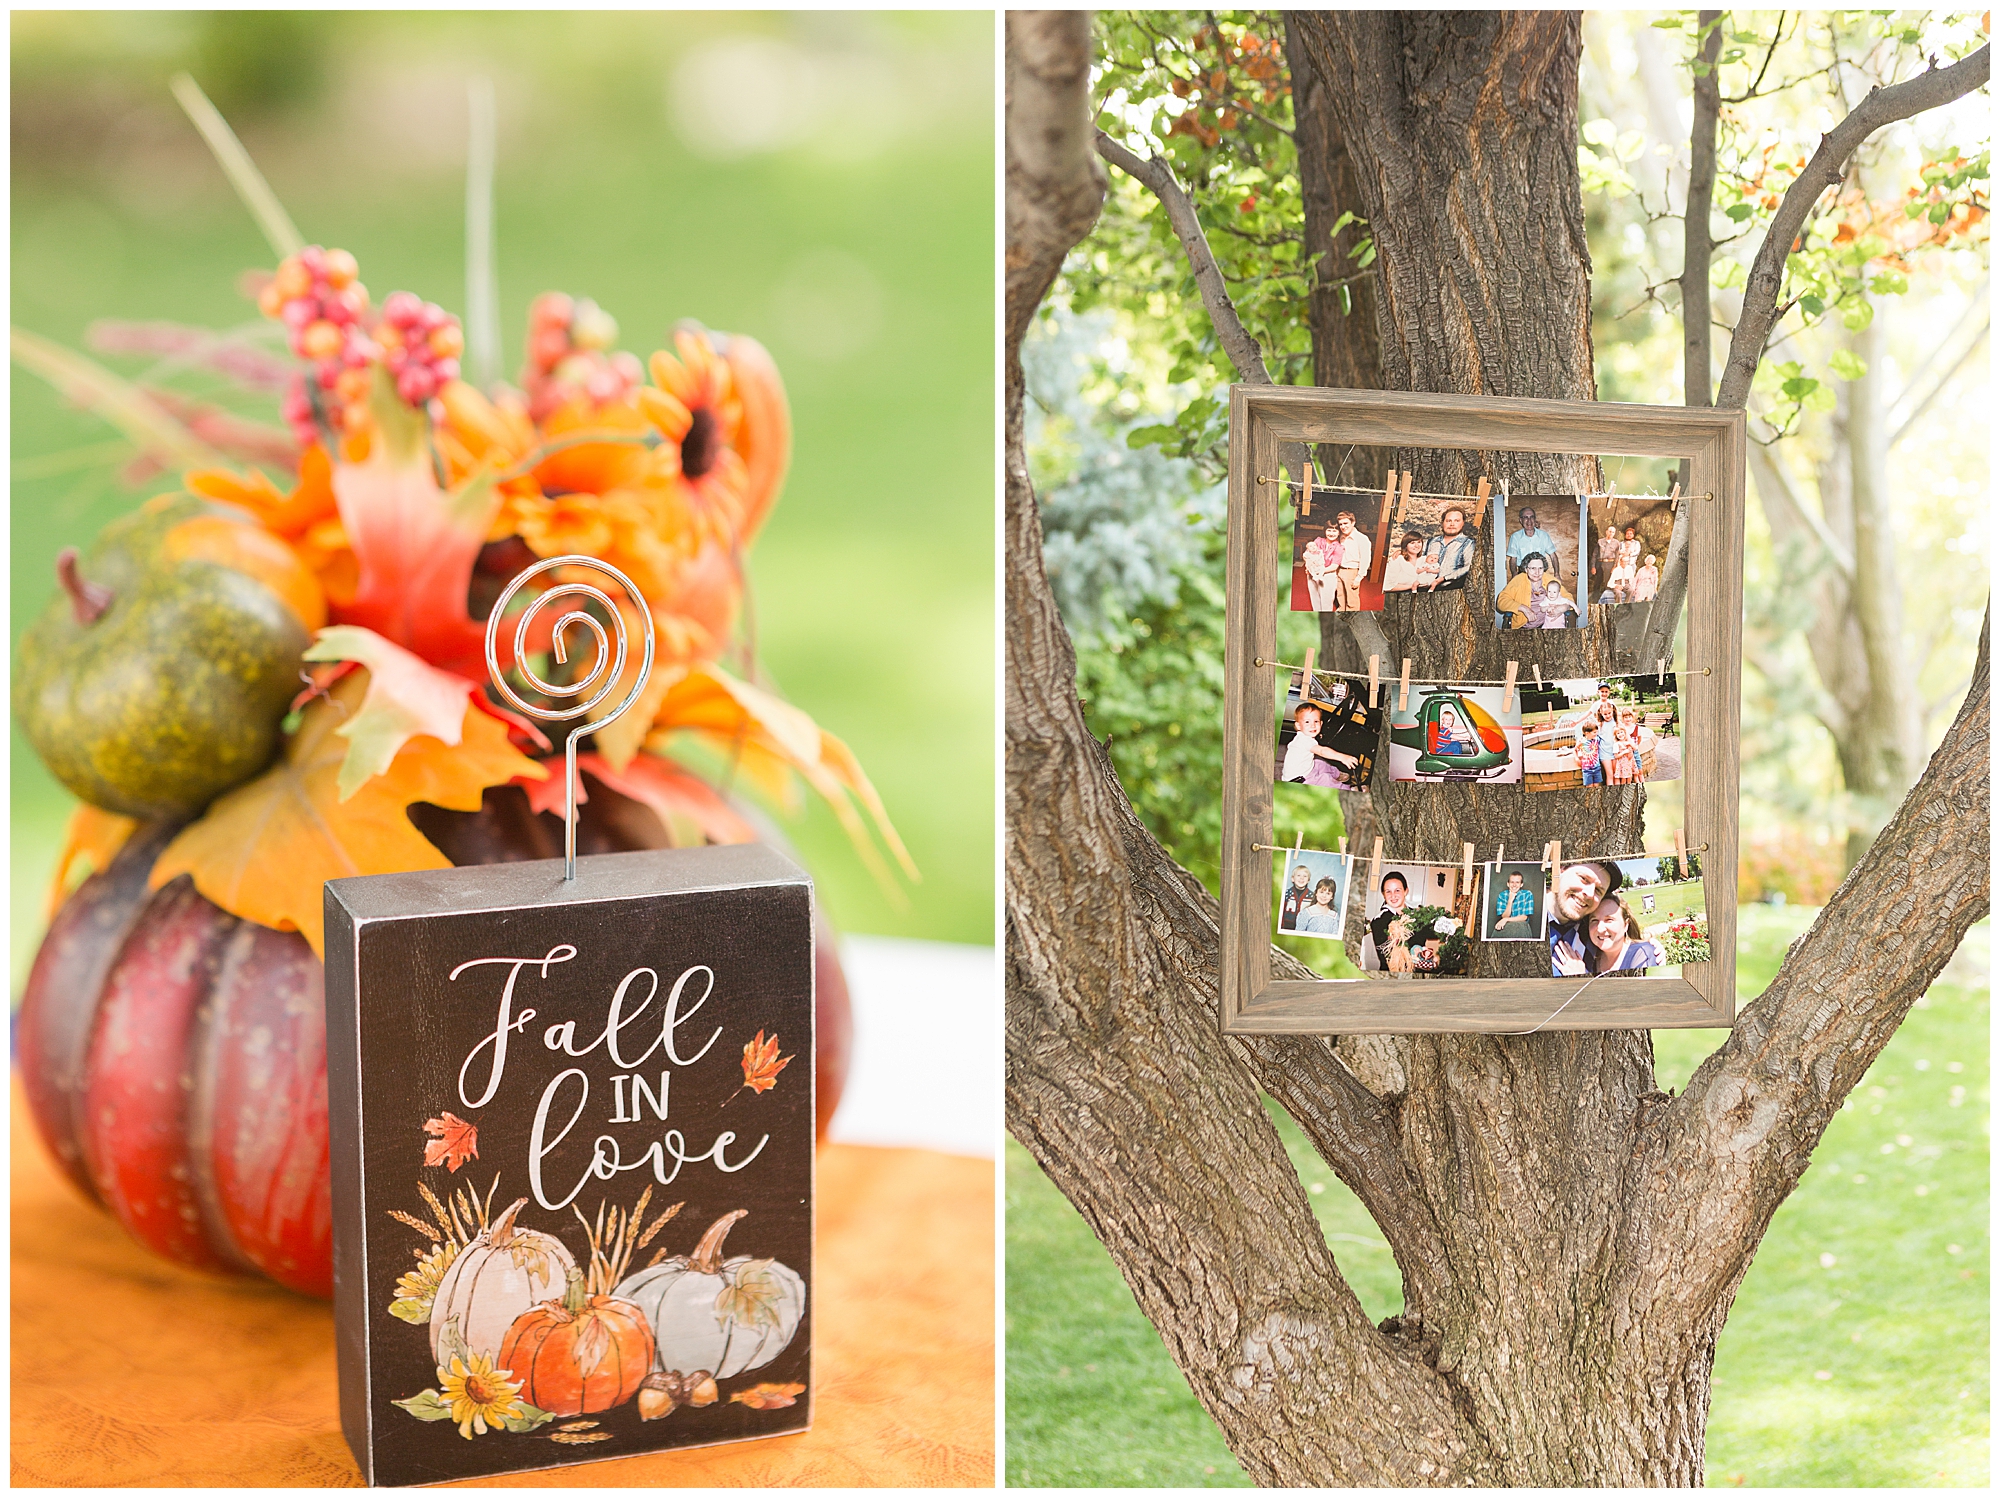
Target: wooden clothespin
1343 845
1674 499
1538 678
1404 503
1389 492
1662 673
1301 841
1306 492
1374 677
1507 701
1479 502
1375 865
1306 676
1403 692
1555 862
1680 850
1467 871
1500 857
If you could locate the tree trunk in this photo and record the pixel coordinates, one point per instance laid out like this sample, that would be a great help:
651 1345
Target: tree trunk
1570 1239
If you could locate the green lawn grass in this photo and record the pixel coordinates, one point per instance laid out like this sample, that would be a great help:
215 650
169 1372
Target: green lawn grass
873 581
1856 1354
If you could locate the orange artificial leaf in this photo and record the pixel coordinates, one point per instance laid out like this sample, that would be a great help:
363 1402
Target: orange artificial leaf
691 809
762 1063
768 1396
453 1142
263 850
414 547
94 839
405 698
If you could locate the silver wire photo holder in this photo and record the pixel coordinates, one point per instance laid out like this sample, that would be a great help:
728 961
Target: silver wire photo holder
609 665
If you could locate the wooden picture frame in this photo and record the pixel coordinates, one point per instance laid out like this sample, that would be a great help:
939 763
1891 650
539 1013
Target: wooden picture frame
1711 443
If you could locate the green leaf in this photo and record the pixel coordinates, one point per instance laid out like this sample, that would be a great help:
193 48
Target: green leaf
451 1344
1345 219
1819 399
416 1312
527 1417
1857 314
1813 305
1367 256
1799 387
1151 436
1940 212
1847 365
429 1405
1889 283
1737 212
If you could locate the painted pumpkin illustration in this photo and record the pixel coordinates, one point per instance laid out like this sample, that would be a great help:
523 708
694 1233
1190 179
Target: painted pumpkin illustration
715 1316
494 1278
580 1354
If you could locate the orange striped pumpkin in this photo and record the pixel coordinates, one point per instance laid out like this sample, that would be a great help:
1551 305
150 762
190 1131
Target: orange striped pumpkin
580 1354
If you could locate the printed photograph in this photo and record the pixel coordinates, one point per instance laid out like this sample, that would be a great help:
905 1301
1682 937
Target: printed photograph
1516 904
1338 553
1414 928
1314 902
1537 564
1433 544
1627 543
1454 733
1611 731
1331 740
1627 915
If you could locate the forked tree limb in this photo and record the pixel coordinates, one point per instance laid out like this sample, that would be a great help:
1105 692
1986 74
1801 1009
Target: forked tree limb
1158 176
1882 106
1697 241
1738 1138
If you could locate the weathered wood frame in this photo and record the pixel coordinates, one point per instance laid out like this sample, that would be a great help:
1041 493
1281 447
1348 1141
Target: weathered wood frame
1712 443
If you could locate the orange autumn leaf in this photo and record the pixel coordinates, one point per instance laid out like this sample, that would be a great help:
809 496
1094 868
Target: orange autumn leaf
768 1396
263 850
455 1141
94 840
761 1063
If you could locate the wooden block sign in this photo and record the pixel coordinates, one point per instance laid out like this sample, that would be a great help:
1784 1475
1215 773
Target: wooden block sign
572 1140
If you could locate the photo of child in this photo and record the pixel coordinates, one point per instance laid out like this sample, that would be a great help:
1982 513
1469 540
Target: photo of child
1616 731
1628 537
1313 901
1454 733
1331 740
1436 541
1539 561
1339 553
1412 931
1516 903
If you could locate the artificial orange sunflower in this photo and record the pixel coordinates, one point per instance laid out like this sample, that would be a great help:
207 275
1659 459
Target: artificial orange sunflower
694 403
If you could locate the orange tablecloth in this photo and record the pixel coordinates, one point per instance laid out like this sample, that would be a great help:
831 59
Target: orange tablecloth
129 1371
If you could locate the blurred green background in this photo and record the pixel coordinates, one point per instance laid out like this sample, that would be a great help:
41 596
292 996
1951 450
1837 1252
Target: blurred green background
821 182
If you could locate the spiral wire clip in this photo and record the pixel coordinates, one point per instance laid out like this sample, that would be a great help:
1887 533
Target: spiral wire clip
610 673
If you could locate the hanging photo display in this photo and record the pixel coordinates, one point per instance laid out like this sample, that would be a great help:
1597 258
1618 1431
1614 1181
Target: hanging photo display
1338 553
1412 928
1433 541
1454 732
1330 740
1314 902
1627 543
1626 915
1516 907
1537 565
1613 730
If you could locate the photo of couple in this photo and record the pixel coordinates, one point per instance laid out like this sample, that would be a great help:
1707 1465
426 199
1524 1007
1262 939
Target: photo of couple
1628 540
1436 542
1339 550
1413 930
1314 901
1625 916
1330 740
1535 571
1516 904
1612 731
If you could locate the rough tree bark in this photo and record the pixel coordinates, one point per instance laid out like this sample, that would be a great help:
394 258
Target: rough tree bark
1570 1239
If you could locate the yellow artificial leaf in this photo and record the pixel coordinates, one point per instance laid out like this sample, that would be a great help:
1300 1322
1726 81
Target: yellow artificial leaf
406 697
263 850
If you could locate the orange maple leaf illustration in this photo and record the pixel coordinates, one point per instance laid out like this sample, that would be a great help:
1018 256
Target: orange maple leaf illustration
761 1063
768 1396
455 1141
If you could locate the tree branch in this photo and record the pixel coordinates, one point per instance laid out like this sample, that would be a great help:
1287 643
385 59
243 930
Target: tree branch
1882 106
1055 188
1774 487
1697 242
1736 1141
1158 177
